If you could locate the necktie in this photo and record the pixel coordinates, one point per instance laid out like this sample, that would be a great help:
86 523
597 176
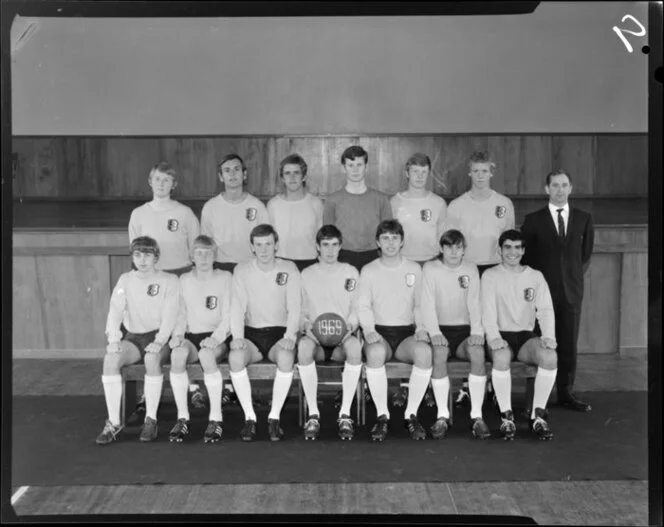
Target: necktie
561 224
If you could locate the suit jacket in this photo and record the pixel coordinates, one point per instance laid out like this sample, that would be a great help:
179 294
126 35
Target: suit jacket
562 262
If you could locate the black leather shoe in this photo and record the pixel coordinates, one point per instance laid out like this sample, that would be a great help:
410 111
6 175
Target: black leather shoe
572 403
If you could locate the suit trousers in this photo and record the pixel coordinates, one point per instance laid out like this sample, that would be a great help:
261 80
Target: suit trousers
568 321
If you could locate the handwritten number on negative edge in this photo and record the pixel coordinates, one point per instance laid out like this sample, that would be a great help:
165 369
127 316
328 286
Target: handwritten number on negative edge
620 32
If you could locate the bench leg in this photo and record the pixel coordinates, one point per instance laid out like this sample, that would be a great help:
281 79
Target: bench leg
129 400
530 392
449 405
301 404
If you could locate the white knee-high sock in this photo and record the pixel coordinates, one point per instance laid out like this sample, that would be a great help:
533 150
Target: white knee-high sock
349 378
153 385
242 386
280 389
502 386
180 386
441 392
544 381
309 379
417 387
113 394
377 381
214 384
477 389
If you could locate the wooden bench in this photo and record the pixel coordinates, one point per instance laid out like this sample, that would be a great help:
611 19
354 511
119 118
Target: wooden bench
458 369
327 374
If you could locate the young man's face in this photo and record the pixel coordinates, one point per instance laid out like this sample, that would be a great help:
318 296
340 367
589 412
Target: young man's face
417 176
232 175
161 184
512 252
480 174
203 258
390 243
329 250
293 178
264 247
355 169
453 254
559 189
144 262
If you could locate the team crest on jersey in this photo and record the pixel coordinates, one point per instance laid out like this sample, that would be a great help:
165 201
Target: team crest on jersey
350 284
410 279
282 278
251 213
211 302
464 281
173 225
153 289
529 294
500 211
426 215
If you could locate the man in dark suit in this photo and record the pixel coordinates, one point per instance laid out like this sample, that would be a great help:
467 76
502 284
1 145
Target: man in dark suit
559 243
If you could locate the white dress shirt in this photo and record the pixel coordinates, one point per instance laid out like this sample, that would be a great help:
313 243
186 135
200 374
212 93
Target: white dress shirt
553 209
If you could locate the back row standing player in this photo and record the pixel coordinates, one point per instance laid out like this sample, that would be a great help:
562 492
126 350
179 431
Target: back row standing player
356 210
481 214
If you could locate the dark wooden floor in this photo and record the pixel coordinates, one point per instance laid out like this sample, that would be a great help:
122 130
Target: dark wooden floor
549 503
113 215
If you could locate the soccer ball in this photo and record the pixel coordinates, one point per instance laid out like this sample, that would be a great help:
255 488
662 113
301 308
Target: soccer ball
329 329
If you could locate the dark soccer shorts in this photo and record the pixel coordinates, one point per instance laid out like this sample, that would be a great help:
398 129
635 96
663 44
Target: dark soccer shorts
141 340
264 338
197 338
455 335
395 335
516 339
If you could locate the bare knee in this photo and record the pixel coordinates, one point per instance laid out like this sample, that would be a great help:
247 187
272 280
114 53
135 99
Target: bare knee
375 355
502 359
178 359
285 360
548 359
353 350
477 362
208 360
112 364
237 360
440 355
152 364
305 351
422 356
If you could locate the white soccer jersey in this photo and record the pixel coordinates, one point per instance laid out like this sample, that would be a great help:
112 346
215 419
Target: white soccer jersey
513 301
451 297
205 305
390 296
422 220
230 225
174 229
297 223
144 304
482 223
266 298
330 289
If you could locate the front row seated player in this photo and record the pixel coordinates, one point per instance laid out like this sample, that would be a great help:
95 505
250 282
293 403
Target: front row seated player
146 302
513 297
390 316
201 329
453 317
265 317
329 286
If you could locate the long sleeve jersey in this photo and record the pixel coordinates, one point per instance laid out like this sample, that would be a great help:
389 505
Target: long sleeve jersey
422 220
390 296
357 216
174 228
513 301
482 223
266 298
144 304
330 289
205 305
451 297
230 225
297 223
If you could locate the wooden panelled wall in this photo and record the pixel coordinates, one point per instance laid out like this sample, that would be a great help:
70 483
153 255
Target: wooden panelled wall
117 167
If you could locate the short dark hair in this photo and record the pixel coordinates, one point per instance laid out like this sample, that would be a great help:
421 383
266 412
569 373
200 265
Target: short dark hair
557 172
513 235
264 229
482 157
144 244
419 160
389 226
230 157
327 232
353 152
293 159
452 237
